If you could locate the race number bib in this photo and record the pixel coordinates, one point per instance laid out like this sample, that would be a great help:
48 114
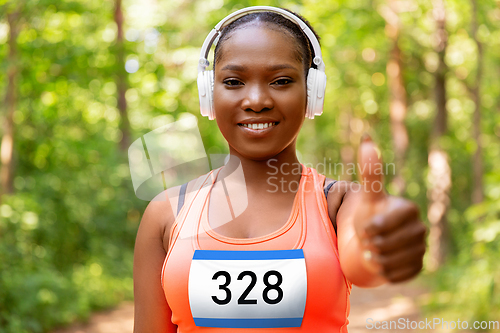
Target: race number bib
248 289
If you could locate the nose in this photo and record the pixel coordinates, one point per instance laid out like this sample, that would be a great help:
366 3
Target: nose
257 98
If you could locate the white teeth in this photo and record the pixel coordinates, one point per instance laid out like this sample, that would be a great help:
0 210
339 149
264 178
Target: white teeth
259 126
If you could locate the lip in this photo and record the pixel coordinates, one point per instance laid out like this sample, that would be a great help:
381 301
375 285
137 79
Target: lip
258 120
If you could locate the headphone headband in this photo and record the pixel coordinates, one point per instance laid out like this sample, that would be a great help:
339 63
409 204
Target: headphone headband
214 34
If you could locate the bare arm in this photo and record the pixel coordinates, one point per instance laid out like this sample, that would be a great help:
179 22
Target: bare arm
152 313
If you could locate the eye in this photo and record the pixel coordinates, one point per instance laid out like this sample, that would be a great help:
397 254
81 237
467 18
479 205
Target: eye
282 82
232 82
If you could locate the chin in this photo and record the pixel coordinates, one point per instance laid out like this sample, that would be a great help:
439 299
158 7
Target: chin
257 154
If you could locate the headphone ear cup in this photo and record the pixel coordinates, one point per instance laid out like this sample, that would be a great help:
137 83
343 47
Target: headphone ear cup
205 83
209 75
316 85
203 94
311 77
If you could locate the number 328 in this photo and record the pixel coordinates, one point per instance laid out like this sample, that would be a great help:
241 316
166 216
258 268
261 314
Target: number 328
242 299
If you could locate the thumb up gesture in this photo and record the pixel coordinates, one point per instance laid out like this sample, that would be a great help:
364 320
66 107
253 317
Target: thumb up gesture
390 234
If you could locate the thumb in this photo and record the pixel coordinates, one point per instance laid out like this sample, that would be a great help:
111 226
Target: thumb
371 170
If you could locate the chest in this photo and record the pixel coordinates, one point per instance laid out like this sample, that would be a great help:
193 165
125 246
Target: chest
244 290
221 287
252 216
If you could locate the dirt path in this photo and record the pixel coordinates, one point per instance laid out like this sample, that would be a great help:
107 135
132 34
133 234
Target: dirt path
381 304
118 320
386 303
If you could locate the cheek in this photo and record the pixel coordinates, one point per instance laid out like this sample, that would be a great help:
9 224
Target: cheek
294 99
222 99
222 106
219 103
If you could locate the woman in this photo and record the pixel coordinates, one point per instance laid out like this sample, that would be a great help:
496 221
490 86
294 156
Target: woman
289 259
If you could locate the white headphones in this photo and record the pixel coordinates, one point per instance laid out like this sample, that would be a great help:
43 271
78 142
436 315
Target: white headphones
316 78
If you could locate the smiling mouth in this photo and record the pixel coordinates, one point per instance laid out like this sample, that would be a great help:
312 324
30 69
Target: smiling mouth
259 126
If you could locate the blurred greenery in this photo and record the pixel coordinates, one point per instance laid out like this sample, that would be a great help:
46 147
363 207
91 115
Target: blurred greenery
67 232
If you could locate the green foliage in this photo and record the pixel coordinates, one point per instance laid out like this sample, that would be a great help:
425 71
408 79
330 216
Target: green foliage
469 286
67 234
64 251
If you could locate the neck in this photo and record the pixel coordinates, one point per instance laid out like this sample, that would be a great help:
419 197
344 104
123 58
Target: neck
278 174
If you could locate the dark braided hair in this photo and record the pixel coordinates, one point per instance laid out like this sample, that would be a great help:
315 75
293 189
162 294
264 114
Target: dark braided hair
304 49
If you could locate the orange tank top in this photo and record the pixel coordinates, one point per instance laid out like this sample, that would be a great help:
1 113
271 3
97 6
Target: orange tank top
290 278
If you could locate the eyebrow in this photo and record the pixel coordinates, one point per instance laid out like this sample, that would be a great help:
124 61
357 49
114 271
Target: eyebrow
239 68
236 68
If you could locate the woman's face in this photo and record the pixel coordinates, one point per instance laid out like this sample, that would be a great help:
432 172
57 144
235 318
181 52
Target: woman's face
259 82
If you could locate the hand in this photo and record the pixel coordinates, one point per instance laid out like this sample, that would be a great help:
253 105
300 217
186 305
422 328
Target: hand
390 231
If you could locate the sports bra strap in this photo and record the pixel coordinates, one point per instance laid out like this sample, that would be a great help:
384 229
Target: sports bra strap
327 188
182 194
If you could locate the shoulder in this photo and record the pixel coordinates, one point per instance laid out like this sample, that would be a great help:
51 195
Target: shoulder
158 217
336 195
161 212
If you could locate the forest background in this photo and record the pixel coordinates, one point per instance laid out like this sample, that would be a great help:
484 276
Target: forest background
80 80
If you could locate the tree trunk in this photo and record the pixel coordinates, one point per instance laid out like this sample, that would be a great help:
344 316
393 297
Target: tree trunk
397 93
477 162
439 168
347 152
121 81
7 145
